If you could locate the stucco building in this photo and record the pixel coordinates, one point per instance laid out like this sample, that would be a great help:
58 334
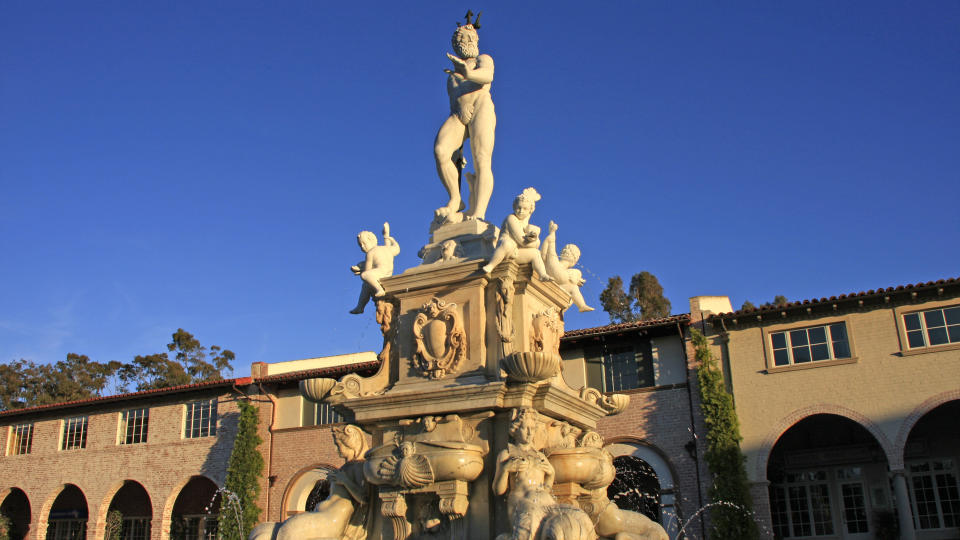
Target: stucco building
848 408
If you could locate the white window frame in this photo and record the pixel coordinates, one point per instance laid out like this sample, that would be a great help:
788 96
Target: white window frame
902 311
21 439
807 485
197 424
948 467
131 431
318 414
73 436
924 330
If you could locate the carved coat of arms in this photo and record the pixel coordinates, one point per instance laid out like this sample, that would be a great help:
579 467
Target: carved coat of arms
441 341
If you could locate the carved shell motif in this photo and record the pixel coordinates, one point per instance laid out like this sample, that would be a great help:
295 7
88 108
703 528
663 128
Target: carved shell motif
409 469
441 341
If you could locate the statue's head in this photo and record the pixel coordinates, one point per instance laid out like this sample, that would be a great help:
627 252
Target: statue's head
570 253
367 240
526 203
523 428
465 42
350 441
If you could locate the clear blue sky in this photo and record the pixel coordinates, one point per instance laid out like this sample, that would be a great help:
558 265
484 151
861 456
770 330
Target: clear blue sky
207 165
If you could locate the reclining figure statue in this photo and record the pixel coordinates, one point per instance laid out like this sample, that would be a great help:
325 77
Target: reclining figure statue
345 513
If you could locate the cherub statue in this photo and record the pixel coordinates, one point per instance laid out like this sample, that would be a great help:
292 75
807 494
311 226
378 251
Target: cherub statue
518 238
525 474
377 265
561 268
345 513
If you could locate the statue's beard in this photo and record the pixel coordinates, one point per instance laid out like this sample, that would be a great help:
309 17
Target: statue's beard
467 50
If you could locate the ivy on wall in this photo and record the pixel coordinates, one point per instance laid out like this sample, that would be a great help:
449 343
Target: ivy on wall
730 514
238 507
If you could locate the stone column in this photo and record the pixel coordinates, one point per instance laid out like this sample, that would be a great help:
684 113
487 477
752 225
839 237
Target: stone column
904 513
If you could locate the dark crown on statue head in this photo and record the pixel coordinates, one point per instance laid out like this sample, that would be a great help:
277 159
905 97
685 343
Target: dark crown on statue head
476 22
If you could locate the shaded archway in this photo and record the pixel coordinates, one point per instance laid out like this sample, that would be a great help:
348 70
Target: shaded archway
130 513
195 511
308 487
67 519
828 477
932 464
16 508
644 483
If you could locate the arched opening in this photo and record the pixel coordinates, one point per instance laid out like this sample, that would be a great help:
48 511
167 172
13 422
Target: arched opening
16 508
306 490
195 511
130 513
932 462
635 487
68 515
644 483
828 477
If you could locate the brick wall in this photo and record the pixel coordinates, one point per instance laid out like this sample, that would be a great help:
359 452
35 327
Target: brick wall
162 465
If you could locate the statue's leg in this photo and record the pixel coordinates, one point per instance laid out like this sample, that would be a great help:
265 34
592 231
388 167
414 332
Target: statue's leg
445 151
482 130
365 293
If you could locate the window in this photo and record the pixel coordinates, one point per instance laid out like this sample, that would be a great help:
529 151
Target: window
800 506
620 367
316 414
133 426
806 345
74 433
932 327
201 420
936 499
21 439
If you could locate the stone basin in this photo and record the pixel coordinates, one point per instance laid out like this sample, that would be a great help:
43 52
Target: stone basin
448 460
590 467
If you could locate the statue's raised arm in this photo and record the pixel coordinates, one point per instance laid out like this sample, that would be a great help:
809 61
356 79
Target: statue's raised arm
471 117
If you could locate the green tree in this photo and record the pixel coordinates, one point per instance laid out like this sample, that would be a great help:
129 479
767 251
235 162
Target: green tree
643 301
189 365
780 300
5 527
733 519
114 528
748 305
239 512
26 384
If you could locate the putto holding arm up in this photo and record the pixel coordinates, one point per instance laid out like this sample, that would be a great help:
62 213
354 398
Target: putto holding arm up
378 264
561 269
471 117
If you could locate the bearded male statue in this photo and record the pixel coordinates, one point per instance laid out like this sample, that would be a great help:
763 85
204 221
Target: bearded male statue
471 117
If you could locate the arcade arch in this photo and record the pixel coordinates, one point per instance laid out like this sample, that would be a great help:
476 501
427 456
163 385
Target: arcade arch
828 477
931 460
16 508
67 519
135 509
195 511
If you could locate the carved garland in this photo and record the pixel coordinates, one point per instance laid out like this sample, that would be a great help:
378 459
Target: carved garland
441 341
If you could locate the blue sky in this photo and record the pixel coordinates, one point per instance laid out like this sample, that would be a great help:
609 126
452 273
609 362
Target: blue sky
207 165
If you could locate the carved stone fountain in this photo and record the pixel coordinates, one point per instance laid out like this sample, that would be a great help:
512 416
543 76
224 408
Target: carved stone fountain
475 434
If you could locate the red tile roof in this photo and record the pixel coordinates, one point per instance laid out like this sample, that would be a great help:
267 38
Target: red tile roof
626 327
862 295
333 371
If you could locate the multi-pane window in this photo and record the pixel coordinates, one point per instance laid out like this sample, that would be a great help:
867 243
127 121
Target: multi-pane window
316 414
936 498
201 419
21 439
74 433
614 368
133 426
67 529
135 528
814 344
932 327
801 505
853 498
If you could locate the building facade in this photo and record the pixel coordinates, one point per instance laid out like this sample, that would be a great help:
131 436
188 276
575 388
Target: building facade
848 408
